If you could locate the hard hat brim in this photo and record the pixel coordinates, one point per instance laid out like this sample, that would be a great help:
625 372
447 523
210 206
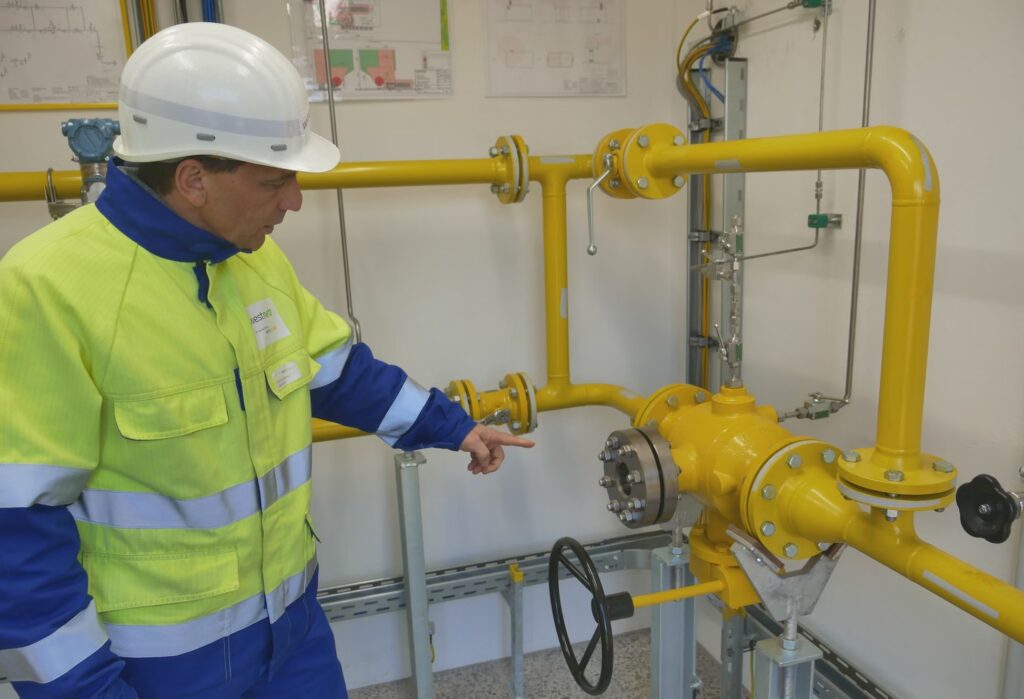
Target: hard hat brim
316 155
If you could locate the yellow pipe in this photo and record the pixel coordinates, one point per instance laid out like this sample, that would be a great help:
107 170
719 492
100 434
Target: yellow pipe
553 179
679 593
407 173
561 396
915 189
31 186
324 431
896 546
816 509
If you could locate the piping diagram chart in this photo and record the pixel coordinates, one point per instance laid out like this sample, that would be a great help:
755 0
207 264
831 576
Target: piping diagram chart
60 51
379 49
556 48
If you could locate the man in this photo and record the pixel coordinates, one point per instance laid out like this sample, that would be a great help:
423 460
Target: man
161 367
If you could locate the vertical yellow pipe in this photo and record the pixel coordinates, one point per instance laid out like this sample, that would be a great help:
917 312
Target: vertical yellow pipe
556 275
908 306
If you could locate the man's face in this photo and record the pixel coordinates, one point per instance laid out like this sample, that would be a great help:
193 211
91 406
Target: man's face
244 205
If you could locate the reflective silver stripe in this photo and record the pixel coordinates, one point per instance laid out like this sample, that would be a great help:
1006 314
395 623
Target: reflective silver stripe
403 412
144 641
24 485
286 477
154 511
130 510
49 658
331 365
217 121
138 641
289 590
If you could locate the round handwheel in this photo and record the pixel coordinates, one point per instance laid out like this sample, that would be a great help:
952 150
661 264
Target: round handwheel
605 611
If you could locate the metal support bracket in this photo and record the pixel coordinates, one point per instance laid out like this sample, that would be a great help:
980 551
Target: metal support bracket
699 236
784 592
703 124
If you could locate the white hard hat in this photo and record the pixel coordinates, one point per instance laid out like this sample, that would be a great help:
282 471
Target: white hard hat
203 88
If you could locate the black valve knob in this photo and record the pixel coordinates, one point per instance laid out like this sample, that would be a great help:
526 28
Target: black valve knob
986 510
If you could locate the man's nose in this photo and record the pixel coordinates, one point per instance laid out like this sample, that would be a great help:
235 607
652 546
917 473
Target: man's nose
291 199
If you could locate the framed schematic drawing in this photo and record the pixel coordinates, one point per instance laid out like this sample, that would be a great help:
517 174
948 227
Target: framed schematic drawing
62 54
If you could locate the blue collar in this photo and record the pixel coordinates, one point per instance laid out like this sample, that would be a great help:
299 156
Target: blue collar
141 216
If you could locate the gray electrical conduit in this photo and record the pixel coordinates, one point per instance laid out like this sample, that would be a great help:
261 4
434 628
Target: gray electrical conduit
356 329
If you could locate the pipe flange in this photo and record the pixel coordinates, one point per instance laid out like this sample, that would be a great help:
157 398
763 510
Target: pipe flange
899 503
515 156
612 145
523 153
788 467
643 142
865 472
523 400
463 392
640 476
666 400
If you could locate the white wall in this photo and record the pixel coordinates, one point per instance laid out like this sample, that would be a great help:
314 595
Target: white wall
448 283
949 73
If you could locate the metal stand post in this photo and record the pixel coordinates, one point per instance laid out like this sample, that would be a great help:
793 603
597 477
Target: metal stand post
673 636
784 674
415 566
514 596
733 640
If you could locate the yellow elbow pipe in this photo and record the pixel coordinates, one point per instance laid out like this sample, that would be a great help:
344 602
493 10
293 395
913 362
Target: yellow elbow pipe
561 396
915 189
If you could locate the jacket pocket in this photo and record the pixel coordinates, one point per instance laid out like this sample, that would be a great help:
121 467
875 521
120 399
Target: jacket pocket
171 416
126 581
290 373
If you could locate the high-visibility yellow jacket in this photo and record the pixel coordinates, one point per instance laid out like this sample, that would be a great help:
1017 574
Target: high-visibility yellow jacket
157 390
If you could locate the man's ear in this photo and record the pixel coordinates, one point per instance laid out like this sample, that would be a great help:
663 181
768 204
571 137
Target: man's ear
190 182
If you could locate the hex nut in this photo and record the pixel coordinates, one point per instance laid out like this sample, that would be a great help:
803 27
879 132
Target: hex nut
790 550
768 528
768 492
828 456
794 461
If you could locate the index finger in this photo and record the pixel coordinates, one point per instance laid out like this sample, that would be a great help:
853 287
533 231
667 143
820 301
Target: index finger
512 440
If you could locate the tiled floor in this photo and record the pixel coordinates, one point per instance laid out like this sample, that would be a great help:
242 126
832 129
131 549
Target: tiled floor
547 676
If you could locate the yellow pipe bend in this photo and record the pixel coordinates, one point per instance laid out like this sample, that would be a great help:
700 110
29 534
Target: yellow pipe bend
915 189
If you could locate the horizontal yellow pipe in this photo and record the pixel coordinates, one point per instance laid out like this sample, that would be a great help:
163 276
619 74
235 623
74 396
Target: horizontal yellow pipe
814 508
324 431
548 398
897 546
914 226
407 173
31 186
681 593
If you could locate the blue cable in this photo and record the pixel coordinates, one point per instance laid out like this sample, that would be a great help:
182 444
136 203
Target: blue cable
706 81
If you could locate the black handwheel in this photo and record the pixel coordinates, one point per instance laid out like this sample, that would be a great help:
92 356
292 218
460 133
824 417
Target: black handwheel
986 510
605 611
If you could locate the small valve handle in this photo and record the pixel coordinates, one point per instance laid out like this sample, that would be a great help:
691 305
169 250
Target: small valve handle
607 162
986 510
